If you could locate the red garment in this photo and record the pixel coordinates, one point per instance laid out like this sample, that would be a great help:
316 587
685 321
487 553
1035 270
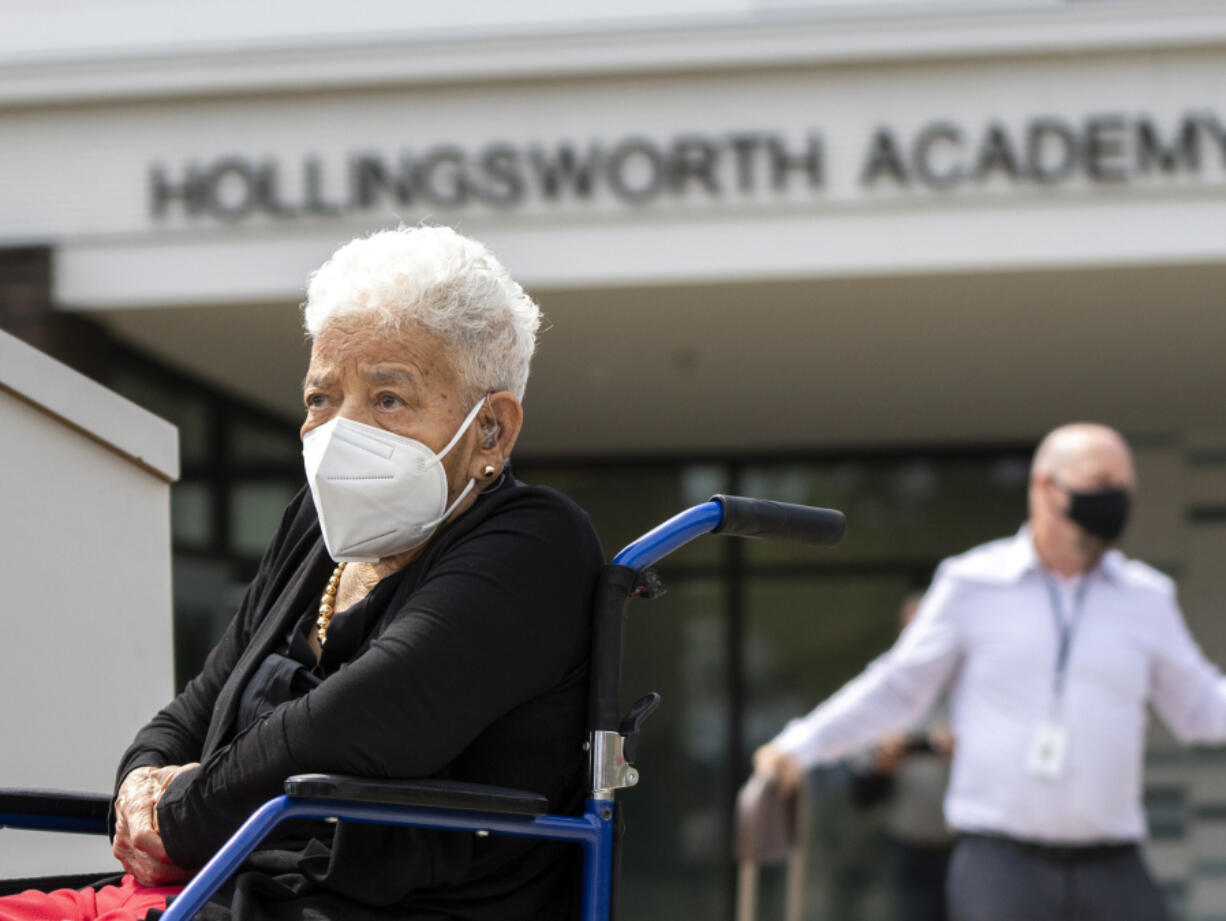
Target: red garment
129 901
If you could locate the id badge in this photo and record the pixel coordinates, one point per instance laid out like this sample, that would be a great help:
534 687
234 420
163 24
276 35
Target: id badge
1048 749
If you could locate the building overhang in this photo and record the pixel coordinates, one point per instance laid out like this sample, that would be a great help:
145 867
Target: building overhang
184 60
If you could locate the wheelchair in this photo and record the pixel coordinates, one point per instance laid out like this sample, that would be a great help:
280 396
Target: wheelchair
483 810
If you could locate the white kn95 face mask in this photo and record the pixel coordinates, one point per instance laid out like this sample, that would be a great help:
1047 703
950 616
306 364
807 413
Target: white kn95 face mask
376 493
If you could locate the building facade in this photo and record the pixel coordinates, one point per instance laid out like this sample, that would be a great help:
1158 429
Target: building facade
860 255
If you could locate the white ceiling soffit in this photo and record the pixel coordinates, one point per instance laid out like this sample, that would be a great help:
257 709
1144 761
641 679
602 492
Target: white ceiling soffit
805 363
743 39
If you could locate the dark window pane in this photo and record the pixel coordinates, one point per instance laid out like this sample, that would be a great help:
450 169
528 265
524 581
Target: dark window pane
897 508
206 596
804 638
1166 812
266 442
191 515
255 512
677 853
625 502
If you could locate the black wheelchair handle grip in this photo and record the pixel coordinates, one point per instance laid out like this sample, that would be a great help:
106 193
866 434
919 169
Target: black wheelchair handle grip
780 521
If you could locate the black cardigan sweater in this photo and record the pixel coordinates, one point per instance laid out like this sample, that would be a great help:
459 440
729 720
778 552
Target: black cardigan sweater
474 669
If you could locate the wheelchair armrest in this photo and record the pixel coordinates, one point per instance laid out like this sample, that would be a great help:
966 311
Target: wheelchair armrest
54 810
433 794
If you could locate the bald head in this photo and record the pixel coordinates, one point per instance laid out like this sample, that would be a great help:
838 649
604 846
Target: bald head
1076 470
1085 455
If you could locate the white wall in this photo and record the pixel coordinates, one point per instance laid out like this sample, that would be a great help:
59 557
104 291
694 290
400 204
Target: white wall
86 620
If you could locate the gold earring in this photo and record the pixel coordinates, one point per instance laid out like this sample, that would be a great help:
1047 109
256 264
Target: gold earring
488 471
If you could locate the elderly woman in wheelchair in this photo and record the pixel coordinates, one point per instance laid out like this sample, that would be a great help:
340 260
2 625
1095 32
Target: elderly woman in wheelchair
419 613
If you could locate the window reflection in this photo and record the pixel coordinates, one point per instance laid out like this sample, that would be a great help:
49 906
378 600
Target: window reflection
255 512
677 839
191 515
804 638
898 509
261 442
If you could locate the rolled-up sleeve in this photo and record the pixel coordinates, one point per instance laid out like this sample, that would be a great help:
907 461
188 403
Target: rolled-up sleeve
892 694
1187 690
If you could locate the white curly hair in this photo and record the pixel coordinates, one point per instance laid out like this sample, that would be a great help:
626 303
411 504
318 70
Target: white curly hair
449 284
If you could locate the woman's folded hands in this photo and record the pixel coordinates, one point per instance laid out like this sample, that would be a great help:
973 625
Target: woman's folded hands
138 843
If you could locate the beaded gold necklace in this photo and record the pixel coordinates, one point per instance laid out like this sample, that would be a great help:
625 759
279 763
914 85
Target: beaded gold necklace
327 605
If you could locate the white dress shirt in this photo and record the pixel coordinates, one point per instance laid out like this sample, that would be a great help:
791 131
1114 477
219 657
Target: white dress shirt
987 630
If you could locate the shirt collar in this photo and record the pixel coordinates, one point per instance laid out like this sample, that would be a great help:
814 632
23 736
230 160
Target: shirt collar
1021 558
1112 565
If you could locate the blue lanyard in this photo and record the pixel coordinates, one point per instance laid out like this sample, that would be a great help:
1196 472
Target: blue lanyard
1065 629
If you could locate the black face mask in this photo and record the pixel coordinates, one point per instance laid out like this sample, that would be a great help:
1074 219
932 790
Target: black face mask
1103 513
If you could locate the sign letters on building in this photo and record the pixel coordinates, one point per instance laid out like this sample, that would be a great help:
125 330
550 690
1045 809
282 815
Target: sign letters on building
938 156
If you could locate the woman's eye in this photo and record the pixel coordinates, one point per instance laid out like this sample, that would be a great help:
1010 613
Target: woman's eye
388 401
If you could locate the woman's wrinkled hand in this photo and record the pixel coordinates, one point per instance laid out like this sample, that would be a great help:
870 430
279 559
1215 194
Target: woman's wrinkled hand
138 843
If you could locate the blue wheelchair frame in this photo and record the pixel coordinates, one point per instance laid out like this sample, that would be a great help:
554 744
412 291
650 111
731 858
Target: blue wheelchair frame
475 808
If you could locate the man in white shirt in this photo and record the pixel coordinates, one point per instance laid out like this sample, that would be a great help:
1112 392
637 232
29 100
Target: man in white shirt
1050 643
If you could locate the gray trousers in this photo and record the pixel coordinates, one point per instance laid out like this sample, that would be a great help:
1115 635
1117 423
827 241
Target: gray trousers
995 879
